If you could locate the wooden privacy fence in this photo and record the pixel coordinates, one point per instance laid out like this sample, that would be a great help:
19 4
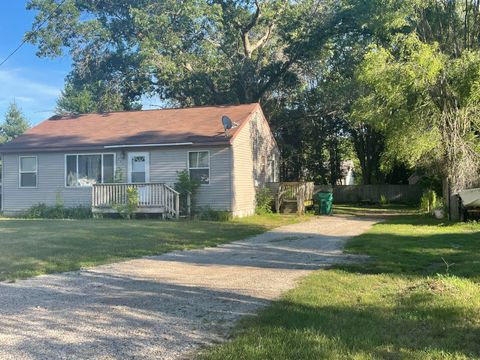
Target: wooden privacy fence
354 194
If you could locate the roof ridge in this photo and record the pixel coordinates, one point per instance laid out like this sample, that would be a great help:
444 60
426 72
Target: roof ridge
64 117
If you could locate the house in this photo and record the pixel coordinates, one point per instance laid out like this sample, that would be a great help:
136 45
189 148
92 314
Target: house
347 169
91 159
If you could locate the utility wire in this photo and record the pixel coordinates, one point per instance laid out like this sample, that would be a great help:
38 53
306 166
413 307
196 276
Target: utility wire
33 32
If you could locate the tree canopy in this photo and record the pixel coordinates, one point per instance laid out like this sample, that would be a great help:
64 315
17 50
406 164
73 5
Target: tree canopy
191 52
382 82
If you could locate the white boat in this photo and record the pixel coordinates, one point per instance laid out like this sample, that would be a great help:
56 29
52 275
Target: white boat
470 198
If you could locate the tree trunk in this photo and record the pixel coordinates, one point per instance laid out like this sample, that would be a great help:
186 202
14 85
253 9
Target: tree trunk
452 201
368 147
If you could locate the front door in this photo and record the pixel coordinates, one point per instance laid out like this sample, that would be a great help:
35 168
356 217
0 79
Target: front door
138 167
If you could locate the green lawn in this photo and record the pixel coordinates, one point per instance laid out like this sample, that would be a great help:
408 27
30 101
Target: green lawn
33 247
374 211
400 305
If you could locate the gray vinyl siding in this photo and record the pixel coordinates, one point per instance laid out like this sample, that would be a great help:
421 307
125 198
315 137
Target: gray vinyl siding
164 164
253 150
243 178
50 184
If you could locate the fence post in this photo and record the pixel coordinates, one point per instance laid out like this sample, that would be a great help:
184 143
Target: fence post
301 200
279 198
93 197
177 206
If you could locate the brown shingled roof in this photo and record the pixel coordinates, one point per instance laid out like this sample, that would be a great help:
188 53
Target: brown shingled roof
198 125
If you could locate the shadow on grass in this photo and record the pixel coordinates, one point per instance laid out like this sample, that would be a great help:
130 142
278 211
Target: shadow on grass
383 308
33 247
304 332
386 211
334 315
418 246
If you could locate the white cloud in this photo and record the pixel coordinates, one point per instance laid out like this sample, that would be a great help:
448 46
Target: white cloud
36 98
36 92
24 99
14 80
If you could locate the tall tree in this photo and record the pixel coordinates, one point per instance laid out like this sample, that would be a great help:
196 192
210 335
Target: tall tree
190 52
330 88
88 98
14 124
454 24
427 103
298 57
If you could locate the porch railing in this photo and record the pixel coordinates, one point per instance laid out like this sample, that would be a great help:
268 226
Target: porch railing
152 198
299 192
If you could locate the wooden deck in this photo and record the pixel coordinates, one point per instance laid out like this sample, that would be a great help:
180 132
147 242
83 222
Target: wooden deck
292 197
154 198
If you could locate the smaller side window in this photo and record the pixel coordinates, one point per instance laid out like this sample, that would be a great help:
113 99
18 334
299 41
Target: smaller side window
199 166
28 171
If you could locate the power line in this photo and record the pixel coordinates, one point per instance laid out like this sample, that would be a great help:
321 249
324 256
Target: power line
33 32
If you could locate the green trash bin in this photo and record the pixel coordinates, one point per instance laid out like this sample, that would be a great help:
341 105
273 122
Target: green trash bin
323 201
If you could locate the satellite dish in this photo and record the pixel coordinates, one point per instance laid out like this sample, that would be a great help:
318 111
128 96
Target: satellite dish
228 124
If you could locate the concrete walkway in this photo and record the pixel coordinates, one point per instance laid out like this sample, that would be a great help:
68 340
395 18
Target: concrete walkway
164 307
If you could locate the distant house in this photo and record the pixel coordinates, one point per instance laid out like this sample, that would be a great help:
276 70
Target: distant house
91 160
348 173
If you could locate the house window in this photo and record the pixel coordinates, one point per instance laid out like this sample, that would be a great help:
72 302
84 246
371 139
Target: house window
89 169
28 171
138 167
199 166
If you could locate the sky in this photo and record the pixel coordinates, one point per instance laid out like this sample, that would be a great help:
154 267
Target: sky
33 83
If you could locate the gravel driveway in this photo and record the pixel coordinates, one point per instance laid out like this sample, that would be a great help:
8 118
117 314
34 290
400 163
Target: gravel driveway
163 307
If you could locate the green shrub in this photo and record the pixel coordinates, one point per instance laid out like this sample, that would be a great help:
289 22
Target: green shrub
264 199
127 210
39 211
78 212
431 183
43 211
439 204
206 213
428 201
186 185
383 200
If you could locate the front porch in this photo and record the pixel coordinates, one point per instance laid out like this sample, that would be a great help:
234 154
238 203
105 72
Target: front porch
153 198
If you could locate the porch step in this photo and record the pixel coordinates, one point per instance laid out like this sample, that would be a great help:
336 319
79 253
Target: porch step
289 207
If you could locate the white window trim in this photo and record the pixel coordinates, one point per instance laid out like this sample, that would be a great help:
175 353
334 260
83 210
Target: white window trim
20 172
101 166
273 169
130 155
209 168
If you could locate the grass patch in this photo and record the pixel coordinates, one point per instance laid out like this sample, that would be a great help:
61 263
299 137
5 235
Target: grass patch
418 245
388 210
34 247
399 305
